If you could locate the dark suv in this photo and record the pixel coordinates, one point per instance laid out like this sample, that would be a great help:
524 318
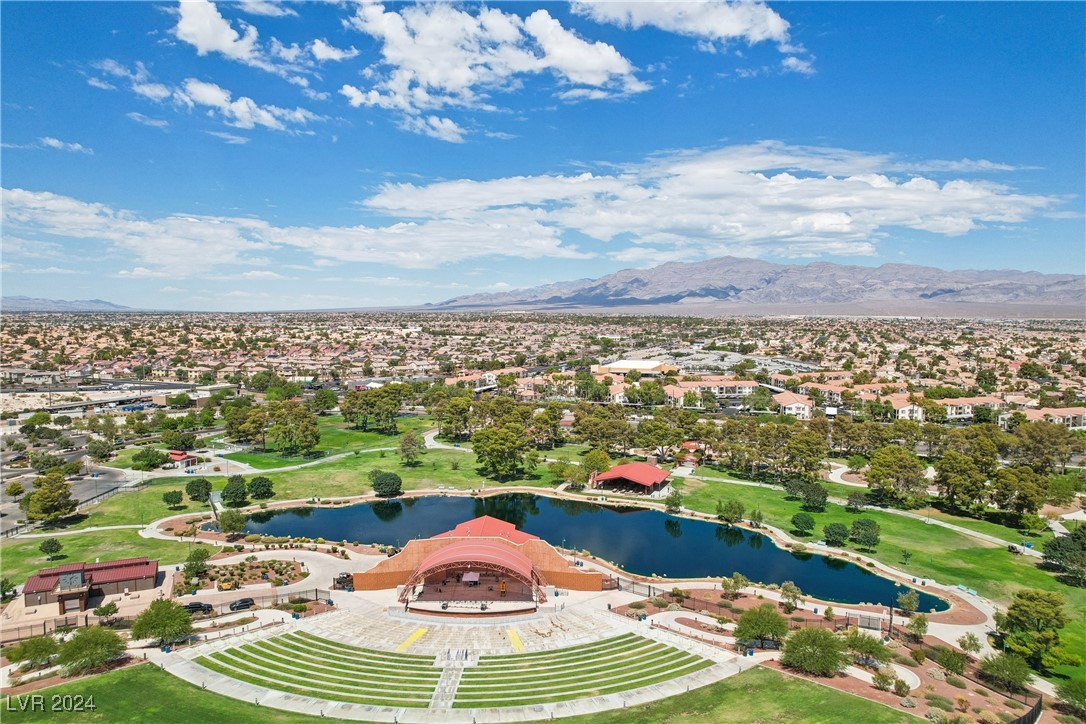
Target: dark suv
198 607
242 604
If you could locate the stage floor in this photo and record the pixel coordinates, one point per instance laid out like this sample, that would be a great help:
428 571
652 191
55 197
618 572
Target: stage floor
466 598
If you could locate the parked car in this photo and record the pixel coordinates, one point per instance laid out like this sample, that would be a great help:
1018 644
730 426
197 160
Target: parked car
242 604
197 607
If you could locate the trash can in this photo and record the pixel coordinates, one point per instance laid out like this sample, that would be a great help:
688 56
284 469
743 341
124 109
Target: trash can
165 649
750 652
816 610
295 616
608 607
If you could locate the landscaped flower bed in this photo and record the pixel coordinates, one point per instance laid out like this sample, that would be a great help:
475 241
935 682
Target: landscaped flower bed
235 575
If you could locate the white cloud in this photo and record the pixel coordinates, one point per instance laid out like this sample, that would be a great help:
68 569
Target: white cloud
53 270
322 51
714 20
267 8
714 23
232 138
766 198
170 290
99 83
443 129
243 112
794 64
200 24
147 121
437 56
261 274
50 142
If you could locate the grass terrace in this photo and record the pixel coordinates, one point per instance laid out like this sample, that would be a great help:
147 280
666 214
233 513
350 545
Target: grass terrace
307 665
605 667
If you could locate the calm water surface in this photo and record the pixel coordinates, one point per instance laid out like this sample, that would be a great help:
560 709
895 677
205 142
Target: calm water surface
644 542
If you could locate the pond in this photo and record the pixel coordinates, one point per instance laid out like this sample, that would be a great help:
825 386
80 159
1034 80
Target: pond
643 542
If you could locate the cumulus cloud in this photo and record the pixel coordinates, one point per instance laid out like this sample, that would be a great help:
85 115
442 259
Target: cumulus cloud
437 56
765 198
322 51
713 23
200 24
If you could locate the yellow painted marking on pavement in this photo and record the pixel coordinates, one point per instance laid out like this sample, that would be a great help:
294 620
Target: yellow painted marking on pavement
411 639
514 638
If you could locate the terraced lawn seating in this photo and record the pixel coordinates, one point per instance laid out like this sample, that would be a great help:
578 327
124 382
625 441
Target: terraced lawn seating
610 666
307 665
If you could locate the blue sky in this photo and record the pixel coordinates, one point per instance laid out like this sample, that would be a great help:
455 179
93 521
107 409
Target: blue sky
263 155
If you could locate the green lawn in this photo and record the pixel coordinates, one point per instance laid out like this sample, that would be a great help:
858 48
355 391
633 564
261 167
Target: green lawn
123 458
337 437
21 556
945 555
146 693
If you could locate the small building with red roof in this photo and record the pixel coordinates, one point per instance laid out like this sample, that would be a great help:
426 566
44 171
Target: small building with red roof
641 477
72 585
181 458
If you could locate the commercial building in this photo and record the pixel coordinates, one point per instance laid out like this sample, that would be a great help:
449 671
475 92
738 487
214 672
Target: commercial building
71 586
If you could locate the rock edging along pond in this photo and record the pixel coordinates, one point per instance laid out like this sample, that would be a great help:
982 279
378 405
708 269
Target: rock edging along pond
642 542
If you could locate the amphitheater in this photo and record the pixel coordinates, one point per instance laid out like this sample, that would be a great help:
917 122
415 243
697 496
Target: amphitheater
372 662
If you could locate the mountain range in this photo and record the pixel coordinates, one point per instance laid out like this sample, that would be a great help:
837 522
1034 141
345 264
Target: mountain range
34 304
738 285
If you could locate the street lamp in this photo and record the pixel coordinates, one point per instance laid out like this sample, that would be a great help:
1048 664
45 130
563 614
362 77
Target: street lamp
893 595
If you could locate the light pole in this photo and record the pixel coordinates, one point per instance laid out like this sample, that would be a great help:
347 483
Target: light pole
893 595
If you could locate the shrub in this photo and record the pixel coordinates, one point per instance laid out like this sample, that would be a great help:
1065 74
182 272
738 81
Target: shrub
1073 693
1012 704
815 651
883 682
918 656
901 687
951 660
939 702
956 682
388 485
637 605
300 608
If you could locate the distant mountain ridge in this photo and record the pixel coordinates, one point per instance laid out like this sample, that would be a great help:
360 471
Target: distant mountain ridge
732 283
35 304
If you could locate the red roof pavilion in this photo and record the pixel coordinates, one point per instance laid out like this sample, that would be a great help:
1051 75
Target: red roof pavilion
643 474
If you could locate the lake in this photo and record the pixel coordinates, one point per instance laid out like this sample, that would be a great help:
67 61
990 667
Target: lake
643 542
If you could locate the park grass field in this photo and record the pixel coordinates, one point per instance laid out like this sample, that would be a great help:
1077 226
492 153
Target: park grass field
146 693
337 437
22 558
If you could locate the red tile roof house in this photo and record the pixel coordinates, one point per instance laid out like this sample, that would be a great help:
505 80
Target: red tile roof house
71 585
647 477
181 458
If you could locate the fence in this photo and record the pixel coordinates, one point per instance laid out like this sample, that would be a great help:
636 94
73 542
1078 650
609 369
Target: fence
12 634
82 505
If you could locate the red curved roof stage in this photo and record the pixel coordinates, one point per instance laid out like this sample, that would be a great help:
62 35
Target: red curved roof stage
481 554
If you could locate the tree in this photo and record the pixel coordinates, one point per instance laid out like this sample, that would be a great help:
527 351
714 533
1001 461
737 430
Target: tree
163 621
908 601
172 498
52 498
596 461
294 427
918 626
234 493
99 450
969 643
835 534
231 522
1019 489
411 447
961 483
1008 670
815 651
14 490
323 401
1068 554
33 652
865 532
196 564
178 440
7 588
791 596
198 489
730 510
1043 446
1073 693
731 587
756 517
866 650
90 648
673 503
148 459
501 450
388 485
763 622
50 547
896 473
1031 626
260 488
803 523
814 496
106 610
856 501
